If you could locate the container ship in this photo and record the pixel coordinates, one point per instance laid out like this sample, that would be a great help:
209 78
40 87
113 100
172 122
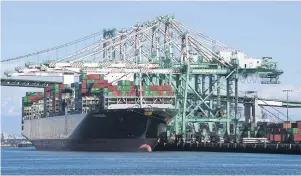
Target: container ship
98 113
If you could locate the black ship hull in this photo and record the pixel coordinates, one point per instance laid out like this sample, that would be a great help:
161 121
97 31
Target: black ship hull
121 130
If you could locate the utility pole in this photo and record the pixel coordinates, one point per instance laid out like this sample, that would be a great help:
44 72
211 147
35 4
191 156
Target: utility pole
287 91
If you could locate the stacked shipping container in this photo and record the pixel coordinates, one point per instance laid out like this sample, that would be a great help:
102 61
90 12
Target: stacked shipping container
91 89
292 131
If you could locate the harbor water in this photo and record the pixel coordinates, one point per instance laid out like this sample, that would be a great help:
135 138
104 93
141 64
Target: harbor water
28 161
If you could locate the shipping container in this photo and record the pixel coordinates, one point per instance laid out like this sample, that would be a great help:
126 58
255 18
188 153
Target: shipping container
84 76
48 89
126 88
297 137
90 81
290 131
93 77
95 90
61 86
146 88
99 85
84 91
276 138
116 93
105 90
287 125
101 81
89 85
167 87
112 88
299 125
119 88
295 130
294 125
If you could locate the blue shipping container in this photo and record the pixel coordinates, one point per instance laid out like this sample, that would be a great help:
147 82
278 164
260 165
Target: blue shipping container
89 86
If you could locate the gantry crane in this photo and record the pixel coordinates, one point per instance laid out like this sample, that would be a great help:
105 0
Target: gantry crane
161 51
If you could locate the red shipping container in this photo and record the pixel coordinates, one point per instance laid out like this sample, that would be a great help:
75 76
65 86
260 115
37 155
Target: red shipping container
299 130
56 95
61 86
160 88
160 93
112 88
299 125
84 86
115 93
271 137
171 93
101 81
297 137
277 138
63 95
84 90
99 86
47 94
132 87
48 89
131 83
154 88
93 76
84 81
128 93
167 88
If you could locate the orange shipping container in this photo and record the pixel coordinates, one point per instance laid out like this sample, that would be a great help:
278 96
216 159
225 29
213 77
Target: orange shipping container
287 125
276 138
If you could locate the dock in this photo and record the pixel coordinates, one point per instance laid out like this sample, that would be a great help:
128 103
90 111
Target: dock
294 149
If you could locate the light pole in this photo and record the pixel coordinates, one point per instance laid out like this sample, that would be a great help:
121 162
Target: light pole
287 91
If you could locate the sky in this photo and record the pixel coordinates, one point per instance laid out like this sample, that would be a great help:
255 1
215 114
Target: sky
256 28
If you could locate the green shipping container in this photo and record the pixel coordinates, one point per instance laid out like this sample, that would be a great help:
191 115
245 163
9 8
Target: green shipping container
110 94
105 90
154 93
68 94
127 82
57 86
102 77
295 130
146 93
123 93
290 131
146 88
126 88
89 81
84 76
165 93
121 83
95 90
119 88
